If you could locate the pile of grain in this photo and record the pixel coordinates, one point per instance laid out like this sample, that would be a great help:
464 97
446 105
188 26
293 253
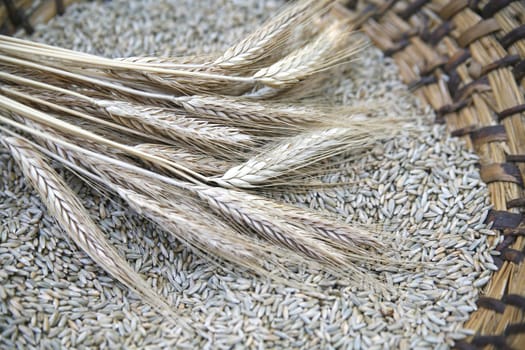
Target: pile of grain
425 190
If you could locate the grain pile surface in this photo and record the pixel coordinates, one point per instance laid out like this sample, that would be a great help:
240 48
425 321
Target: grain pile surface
425 190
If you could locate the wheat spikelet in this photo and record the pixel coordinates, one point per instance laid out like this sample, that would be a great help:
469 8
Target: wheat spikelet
194 226
283 225
188 191
260 117
172 125
269 221
270 37
76 222
318 227
326 51
293 68
201 163
298 152
42 100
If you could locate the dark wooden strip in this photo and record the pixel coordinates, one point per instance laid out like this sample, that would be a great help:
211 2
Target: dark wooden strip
506 243
351 4
514 300
12 12
501 63
17 17
515 328
497 340
477 31
463 131
478 85
451 108
519 71
516 203
513 36
488 134
491 304
427 70
452 8
505 172
6 26
511 111
456 59
400 45
517 158
512 255
454 82
412 8
498 261
463 345
381 10
504 219
494 6
423 81
439 33
60 8
514 232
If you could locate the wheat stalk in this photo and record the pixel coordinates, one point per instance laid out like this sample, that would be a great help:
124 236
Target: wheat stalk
293 68
184 62
128 142
30 95
65 206
37 116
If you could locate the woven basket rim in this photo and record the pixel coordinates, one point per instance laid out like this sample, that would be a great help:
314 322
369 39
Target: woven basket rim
466 59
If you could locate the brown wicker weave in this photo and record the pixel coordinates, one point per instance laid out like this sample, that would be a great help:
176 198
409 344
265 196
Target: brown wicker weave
466 59
15 14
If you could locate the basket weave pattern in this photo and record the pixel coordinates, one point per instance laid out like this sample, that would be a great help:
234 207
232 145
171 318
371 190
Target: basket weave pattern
466 59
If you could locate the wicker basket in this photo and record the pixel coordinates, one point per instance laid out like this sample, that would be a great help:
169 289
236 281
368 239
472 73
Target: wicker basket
466 59
15 14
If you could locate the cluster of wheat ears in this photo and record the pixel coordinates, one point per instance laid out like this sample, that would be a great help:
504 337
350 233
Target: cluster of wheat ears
195 144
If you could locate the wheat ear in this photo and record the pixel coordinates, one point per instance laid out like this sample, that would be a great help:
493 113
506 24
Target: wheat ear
268 220
298 152
332 47
271 36
65 206
173 125
260 117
